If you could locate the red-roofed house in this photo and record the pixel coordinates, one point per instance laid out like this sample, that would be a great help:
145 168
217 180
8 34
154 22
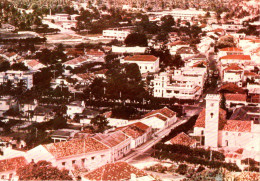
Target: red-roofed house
183 139
146 63
232 100
33 64
9 166
76 62
138 132
118 171
227 134
87 153
160 119
233 74
230 51
239 59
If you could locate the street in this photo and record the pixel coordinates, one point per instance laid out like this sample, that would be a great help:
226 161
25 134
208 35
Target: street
149 144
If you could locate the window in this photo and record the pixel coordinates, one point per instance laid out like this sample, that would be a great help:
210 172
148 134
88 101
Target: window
211 115
152 67
145 67
102 156
10 175
63 163
3 177
92 158
226 142
239 134
83 160
73 161
226 133
212 104
202 132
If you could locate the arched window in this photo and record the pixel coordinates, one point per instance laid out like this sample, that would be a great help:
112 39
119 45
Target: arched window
211 115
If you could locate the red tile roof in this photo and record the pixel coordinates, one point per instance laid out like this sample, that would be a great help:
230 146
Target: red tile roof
95 53
200 122
232 88
135 130
237 126
249 73
235 97
149 58
183 139
164 111
12 164
231 49
237 57
115 171
75 61
112 139
159 116
74 147
233 67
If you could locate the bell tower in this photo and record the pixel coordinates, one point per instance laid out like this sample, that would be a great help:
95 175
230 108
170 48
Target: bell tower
212 120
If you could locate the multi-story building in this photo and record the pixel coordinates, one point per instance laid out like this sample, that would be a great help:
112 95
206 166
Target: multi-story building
146 63
183 84
16 77
118 34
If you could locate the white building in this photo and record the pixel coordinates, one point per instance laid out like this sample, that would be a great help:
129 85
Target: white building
85 153
159 119
146 63
186 83
75 107
220 133
233 74
118 34
17 76
124 49
138 132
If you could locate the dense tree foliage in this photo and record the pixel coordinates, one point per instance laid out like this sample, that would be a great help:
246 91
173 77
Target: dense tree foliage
136 39
42 170
100 123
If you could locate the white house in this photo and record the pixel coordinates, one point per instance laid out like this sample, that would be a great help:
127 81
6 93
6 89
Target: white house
124 49
85 153
75 107
118 142
17 76
116 33
146 63
233 74
7 102
159 119
139 133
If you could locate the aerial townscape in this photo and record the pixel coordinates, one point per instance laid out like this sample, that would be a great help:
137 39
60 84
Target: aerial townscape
137 90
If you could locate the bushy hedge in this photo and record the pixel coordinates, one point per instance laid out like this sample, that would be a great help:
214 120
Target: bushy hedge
195 152
181 157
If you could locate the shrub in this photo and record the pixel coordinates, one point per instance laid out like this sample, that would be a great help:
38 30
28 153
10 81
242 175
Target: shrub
182 169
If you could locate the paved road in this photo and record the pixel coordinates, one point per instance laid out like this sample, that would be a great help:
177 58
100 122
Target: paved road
145 147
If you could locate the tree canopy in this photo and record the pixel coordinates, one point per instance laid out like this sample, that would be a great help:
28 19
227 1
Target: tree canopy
42 170
136 39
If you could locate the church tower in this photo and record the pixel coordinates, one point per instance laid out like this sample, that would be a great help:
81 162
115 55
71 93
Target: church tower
212 120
